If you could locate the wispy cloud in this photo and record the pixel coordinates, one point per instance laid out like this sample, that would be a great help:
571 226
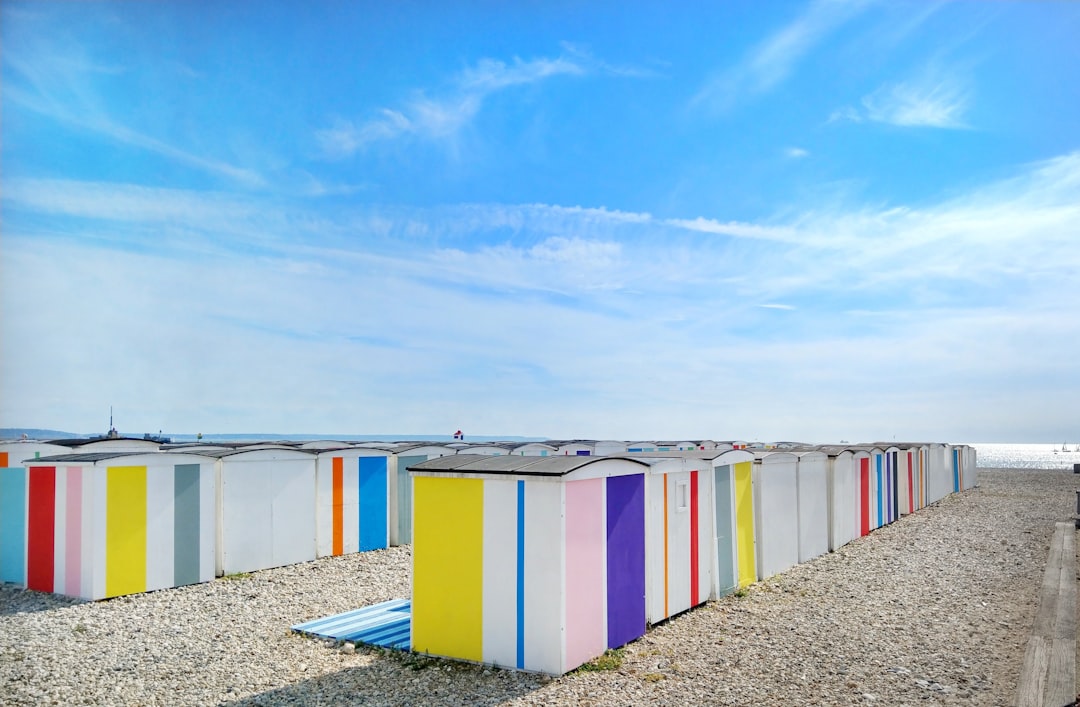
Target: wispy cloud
58 82
935 99
771 62
517 273
442 117
796 153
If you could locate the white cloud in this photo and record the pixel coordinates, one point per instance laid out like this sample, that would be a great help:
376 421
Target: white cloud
774 59
796 153
935 99
937 103
443 117
57 82
572 308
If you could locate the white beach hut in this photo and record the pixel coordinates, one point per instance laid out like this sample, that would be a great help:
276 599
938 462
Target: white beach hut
266 508
812 480
776 511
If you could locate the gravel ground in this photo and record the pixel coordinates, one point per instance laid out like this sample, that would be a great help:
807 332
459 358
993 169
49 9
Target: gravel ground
933 609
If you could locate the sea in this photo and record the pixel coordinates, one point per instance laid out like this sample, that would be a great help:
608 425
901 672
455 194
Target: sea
1027 456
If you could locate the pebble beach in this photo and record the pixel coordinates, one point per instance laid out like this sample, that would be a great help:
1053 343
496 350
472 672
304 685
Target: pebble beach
933 609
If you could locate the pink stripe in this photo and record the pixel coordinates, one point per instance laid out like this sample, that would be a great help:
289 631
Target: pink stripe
585 567
73 534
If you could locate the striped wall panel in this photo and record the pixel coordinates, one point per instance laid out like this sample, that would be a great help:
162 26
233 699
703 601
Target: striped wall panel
531 574
98 532
353 496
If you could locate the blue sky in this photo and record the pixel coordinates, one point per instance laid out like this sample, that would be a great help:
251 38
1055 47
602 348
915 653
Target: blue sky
825 220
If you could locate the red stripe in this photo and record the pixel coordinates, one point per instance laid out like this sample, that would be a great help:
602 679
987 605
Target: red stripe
910 484
693 540
41 528
864 489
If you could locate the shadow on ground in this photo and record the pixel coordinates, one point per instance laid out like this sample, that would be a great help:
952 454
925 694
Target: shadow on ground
396 678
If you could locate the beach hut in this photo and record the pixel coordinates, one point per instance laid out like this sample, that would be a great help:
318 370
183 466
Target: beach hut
970 467
494 450
353 500
939 477
574 448
13 503
608 447
860 459
731 543
526 562
266 512
104 524
776 511
533 449
401 510
679 535
813 491
842 484
635 447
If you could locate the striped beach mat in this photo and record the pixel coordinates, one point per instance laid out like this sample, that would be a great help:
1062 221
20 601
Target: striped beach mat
386 624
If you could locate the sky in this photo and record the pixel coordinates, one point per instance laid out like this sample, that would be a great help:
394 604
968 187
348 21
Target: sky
815 221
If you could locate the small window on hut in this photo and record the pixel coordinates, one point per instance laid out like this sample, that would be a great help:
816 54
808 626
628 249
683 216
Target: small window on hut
681 496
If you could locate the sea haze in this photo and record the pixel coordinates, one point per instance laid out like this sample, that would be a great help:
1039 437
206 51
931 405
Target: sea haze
1027 456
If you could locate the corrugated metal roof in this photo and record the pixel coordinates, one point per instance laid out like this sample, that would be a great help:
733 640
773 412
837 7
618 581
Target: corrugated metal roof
85 457
387 625
521 466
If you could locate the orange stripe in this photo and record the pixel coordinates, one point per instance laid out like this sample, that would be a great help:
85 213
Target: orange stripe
339 501
3 460
665 549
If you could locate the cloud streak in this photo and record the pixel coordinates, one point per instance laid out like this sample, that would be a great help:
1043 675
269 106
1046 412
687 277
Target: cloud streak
440 118
934 99
773 60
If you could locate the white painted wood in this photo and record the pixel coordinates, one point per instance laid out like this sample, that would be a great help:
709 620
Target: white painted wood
813 505
499 636
544 584
160 528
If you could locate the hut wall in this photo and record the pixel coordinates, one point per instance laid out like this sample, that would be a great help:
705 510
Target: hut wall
776 518
533 573
353 497
267 510
843 494
121 526
813 508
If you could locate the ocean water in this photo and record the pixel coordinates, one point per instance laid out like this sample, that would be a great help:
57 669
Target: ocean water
1027 456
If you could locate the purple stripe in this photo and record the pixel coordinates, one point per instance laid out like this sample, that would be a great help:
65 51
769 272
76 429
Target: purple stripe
625 558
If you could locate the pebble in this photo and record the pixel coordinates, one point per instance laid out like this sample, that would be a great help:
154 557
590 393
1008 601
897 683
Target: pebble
948 593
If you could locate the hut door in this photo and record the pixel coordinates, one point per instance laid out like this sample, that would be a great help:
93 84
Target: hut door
726 576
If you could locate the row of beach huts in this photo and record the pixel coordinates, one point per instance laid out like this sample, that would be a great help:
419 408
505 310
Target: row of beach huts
538 556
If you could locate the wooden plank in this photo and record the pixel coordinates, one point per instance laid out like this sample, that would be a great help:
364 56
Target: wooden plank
1061 670
1049 673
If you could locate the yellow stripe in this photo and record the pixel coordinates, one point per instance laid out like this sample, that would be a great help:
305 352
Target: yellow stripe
744 524
125 530
448 530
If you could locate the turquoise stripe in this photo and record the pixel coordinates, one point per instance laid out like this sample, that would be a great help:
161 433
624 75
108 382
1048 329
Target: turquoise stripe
186 524
521 575
13 525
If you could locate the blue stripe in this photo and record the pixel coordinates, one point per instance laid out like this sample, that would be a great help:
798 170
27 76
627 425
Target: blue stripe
521 575
372 483
880 520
